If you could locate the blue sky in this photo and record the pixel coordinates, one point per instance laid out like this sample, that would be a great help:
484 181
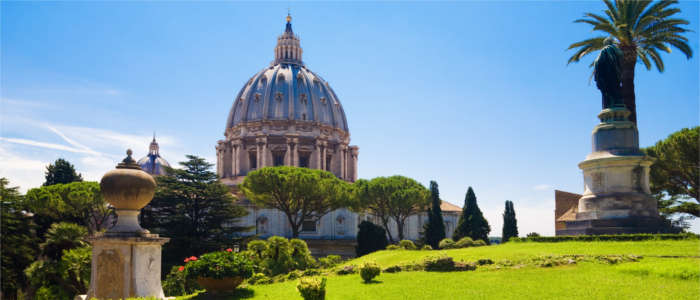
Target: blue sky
465 93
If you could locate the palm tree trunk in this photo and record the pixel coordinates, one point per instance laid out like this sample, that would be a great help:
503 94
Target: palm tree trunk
629 61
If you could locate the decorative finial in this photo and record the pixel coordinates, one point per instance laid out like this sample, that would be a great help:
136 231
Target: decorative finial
289 16
128 162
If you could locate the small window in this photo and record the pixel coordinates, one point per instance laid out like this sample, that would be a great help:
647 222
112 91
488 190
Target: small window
303 116
304 160
253 160
278 159
323 100
308 226
328 163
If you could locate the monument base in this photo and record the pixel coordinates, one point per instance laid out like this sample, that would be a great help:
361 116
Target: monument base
611 226
126 266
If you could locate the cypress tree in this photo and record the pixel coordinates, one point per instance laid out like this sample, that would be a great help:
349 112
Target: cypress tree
510 224
435 228
472 222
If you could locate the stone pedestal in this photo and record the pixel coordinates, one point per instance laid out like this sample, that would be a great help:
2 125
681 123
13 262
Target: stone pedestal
124 267
616 198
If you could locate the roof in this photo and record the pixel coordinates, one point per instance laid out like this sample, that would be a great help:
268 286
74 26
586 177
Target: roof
447 206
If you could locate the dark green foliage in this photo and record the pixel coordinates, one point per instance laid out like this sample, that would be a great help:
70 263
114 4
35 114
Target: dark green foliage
393 247
407 245
472 222
370 238
426 247
349 269
194 210
447 243
393 269
510 224
445 264
64 266
369 271
19 241
484 261
177 283
312 288
301 256
464 242
533 234
220 264
75 202
329 261
674 176
61 171
434 230
609 237
390 198
278 258
302 194
259 278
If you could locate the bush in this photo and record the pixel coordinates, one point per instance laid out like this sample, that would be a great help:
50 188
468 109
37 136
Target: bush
301 256
533 234
311 272
447 243
221 264
329 261
479 243
312 288
484 261
177 283
608 237
258 247
370 238
426 247
393 269
407 244
349 269
439 264
393 247
259 278
464 242
277 256
369 270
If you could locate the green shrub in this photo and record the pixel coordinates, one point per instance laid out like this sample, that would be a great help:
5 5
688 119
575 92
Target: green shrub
301 256
293 275
407 244
393 269
219 265
369 270
312 288
484 261
329 261
439 264
464 266
479 243
177 283
349 269
447 243
608 237
258 247
393 247
464 242
370 238
311 272
259 278
277 256
426 247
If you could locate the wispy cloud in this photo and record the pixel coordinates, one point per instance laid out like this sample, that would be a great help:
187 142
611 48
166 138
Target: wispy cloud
46 145
542 187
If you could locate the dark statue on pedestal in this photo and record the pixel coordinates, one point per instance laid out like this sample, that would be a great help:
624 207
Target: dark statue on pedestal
608 75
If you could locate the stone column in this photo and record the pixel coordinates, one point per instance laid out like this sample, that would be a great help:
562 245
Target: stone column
234 162
317 155
126 259
288 154
295 152
343 152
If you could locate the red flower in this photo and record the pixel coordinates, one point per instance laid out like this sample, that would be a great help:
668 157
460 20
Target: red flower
193 258
181 268
187 259
229 250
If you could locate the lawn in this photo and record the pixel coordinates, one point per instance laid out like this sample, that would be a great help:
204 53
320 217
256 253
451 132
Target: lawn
668 270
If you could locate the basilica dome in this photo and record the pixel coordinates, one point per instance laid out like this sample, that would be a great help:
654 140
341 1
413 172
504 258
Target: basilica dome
286 115
152 163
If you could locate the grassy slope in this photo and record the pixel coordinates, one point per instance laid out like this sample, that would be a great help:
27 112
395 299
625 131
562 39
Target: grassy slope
654 277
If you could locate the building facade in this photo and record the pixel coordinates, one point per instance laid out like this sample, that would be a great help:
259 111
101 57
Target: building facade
287 115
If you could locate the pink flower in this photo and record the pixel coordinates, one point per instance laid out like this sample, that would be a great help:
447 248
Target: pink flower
187 259
229 250
181 268
193 258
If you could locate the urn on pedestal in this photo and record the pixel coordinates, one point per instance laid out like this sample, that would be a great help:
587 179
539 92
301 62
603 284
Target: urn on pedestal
126 259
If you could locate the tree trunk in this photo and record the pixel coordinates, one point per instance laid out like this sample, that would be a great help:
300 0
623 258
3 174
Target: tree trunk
399 226
629 61
385 222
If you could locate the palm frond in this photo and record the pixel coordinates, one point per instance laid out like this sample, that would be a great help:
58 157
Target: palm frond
656 8
596 41
611 11
597 17
656 58
641 53
583 51
683 46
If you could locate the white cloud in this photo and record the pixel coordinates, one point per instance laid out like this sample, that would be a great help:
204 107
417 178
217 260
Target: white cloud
542 187
23 172
46 145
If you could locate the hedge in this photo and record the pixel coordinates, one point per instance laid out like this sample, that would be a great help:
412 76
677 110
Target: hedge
608 237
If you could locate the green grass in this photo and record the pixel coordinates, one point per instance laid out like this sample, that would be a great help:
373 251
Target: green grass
669 270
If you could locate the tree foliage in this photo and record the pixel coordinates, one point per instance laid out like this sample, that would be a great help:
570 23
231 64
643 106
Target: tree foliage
472 222
641 29
435 228
18 240
61 171
76 202
193 209
396 197
302 194
675 173
510 224
370 238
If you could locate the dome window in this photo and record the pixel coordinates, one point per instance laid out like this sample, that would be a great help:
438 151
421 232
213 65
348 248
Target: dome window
323 100
278 96
303 116
257 97
280 77
303 99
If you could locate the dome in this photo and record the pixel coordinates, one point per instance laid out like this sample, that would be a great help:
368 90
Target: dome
152 163
287 90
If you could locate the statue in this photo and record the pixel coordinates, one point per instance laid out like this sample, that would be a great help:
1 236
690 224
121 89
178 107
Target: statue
608 74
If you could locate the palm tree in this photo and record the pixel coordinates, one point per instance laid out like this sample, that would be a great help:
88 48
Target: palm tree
640 31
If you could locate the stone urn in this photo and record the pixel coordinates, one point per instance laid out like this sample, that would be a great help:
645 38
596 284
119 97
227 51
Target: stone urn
128 189
220 286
